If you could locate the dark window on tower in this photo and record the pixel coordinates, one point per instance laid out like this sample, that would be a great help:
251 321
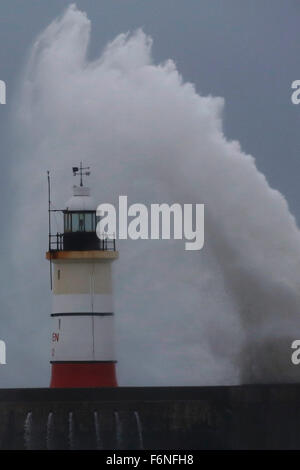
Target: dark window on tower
58 274
88 222
94 222
68 226
81 223
75 222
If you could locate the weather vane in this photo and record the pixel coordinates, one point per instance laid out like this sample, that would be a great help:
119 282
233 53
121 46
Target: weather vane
81 170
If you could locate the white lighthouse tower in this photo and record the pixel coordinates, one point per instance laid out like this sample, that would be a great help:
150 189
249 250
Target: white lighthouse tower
82 353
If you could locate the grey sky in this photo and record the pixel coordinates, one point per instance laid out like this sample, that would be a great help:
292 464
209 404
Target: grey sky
244 51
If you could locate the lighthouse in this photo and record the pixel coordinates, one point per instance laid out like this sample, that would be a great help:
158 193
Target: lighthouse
82 339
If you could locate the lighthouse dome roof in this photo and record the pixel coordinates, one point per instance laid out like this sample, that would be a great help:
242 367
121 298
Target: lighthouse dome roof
81 200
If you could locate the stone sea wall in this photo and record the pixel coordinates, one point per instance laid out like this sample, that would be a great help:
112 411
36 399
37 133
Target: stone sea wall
233 417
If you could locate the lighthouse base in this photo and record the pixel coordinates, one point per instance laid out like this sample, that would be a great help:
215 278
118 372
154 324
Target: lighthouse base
83 374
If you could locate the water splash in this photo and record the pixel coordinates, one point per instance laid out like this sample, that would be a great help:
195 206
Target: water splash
139 429
71 431
119 430
28 431
49 431
99 443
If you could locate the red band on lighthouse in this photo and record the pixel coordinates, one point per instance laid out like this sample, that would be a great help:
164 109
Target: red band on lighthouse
83 375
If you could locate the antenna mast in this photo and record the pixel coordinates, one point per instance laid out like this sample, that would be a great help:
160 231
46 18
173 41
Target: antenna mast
49 225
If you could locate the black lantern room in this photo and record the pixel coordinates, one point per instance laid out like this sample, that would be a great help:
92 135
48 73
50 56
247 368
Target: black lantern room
80 221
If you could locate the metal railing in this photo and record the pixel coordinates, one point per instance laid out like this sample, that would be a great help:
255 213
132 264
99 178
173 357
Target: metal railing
106 242
56 242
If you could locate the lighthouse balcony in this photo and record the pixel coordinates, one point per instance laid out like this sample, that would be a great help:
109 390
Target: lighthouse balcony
81 241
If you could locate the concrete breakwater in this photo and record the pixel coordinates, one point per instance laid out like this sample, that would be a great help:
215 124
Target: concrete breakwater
229 417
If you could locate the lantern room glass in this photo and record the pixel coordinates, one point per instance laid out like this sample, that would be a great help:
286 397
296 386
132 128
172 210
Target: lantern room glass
80 222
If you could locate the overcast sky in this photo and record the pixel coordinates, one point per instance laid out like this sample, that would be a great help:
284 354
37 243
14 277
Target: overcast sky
244 51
